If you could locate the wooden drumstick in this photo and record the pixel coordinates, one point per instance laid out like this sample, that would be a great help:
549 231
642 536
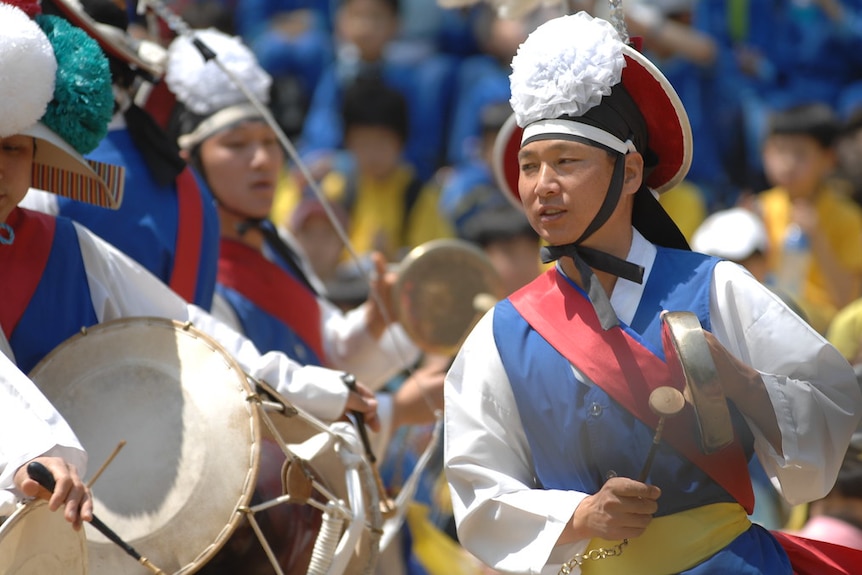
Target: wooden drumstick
107 462
41 475
386 504
665 402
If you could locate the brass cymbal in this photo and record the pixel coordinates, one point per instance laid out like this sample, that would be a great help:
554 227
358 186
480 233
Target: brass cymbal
687 353
444 286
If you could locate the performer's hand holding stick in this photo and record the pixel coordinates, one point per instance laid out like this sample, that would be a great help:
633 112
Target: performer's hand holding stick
40 474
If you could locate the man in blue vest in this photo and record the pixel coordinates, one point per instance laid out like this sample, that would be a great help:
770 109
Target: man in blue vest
548 423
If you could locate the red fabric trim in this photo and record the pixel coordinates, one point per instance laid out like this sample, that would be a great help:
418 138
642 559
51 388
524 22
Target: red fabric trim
278 293
187 257
626 370
812 557
27 255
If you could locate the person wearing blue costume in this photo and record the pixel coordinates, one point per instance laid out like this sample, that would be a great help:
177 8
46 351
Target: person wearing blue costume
547 419
266 288
59 277
167 221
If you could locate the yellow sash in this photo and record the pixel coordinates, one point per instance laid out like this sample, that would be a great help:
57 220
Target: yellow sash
673 543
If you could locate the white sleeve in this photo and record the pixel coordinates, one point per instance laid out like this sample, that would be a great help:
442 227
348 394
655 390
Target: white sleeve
351 347
29 427
120 287
502 517
813 389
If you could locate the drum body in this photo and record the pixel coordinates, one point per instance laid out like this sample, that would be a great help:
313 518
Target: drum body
315 504
192 438
36 541
200 485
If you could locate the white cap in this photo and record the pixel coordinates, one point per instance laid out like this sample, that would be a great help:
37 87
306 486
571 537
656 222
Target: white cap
733 234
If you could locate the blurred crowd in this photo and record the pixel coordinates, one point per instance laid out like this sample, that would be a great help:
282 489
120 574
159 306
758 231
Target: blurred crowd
394 106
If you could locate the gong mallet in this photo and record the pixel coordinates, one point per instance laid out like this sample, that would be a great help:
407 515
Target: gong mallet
387 507
40 474
664 401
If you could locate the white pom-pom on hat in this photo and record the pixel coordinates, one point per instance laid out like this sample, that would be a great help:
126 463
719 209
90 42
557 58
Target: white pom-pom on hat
201 85
565 67
28 70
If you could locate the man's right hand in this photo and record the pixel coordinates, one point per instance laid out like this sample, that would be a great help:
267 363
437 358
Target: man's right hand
622 509
69 490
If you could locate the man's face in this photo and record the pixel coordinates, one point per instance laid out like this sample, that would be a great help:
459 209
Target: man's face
562 184
242 166
16 166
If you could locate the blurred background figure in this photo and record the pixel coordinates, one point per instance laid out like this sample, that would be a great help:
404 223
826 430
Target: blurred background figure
845 332
364 33
390 207
814 230
510 243
735 234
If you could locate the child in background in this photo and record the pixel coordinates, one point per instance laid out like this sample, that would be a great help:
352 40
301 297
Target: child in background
390 208
805 208
506 237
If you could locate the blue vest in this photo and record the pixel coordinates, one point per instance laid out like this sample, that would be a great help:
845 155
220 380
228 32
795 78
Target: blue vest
579 437
145 226
61 304
265 331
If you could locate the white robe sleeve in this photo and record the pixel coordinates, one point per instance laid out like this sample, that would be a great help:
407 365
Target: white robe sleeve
351 347
29 427
122 288
501 517
812 388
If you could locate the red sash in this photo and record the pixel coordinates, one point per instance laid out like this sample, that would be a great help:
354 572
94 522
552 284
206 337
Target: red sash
625 370
187 257
812 557
278 293
27 256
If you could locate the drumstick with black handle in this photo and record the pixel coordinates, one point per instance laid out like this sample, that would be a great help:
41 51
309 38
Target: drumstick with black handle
41 475
386 504
665 402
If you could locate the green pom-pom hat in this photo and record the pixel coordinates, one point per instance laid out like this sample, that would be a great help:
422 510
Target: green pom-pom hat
77 116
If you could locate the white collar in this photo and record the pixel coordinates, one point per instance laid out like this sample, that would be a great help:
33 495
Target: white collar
627 294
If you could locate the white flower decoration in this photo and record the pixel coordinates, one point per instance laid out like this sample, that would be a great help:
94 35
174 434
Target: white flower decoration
202 86
27 71
565 67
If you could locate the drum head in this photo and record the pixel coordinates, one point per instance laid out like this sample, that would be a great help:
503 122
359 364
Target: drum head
690 361
192 438
36 541
443 288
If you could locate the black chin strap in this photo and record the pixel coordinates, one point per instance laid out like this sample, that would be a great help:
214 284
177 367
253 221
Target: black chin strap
586 258
277 244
